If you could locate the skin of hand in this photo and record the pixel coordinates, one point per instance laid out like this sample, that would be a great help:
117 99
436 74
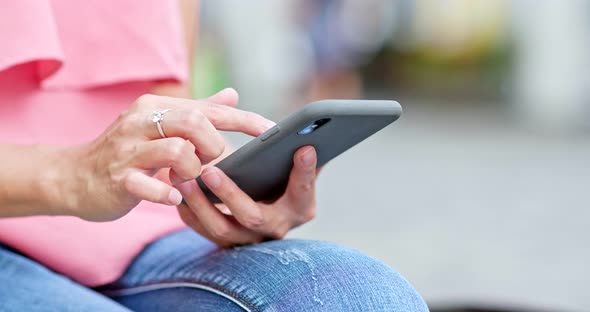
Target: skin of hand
114 172
249 221
241 220
105 178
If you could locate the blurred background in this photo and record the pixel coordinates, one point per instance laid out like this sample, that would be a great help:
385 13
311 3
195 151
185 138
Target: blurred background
479 194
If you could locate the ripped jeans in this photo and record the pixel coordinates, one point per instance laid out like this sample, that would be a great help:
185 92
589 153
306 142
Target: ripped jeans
185 272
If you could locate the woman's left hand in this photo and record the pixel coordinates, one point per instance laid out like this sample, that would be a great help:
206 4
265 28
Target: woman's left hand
250 221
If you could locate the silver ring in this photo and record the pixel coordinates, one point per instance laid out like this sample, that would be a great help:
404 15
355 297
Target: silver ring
157 117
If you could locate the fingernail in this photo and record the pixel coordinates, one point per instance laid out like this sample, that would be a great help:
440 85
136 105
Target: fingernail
211 178
228 89
307 157
174 197
268 124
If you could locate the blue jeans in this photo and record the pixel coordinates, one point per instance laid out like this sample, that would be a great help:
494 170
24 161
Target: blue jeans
185 272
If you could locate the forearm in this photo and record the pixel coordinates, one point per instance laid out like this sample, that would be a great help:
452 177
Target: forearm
35 180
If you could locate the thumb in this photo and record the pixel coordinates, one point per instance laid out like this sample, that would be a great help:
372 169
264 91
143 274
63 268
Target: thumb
300 190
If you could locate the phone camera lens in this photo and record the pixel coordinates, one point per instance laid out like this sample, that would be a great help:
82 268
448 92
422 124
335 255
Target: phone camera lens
307 130
313 127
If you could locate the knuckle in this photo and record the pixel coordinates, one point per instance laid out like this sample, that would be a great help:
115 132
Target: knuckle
306 186
124 179
299 188
191 158
145 100
124 115
126 151
254 221
228 194
129 123
187 145
196 169
221 231
176 149
217 148
194 118
214 112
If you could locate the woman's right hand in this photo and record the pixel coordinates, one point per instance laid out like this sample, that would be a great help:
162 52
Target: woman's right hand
113 173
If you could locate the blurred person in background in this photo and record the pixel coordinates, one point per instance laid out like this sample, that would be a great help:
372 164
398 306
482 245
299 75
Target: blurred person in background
90 162
304 50
345 35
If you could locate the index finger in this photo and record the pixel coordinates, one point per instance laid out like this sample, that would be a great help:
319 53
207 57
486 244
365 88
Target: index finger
228 118
222 117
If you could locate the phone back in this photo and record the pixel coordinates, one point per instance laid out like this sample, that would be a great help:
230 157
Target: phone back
261 167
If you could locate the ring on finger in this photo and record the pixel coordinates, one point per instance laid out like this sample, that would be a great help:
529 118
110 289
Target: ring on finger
158 117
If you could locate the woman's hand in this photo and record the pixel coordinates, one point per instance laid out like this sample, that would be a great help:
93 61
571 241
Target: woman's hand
116 171
251 221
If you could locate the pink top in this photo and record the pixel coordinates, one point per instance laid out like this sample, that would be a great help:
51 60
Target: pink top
67 69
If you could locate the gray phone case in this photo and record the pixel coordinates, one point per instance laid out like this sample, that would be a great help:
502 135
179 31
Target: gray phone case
261 167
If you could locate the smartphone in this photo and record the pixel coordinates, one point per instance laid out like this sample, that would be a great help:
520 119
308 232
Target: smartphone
262 166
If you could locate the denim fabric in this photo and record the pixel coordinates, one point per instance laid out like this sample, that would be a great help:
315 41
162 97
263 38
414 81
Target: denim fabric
26 285
185 272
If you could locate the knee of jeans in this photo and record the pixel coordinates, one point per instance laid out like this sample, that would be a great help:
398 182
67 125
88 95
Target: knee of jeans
311 275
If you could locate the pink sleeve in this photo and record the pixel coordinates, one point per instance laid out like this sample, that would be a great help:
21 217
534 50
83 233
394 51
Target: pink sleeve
119 41
28 34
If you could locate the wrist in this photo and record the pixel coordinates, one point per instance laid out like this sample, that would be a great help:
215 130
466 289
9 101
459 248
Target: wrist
61 180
